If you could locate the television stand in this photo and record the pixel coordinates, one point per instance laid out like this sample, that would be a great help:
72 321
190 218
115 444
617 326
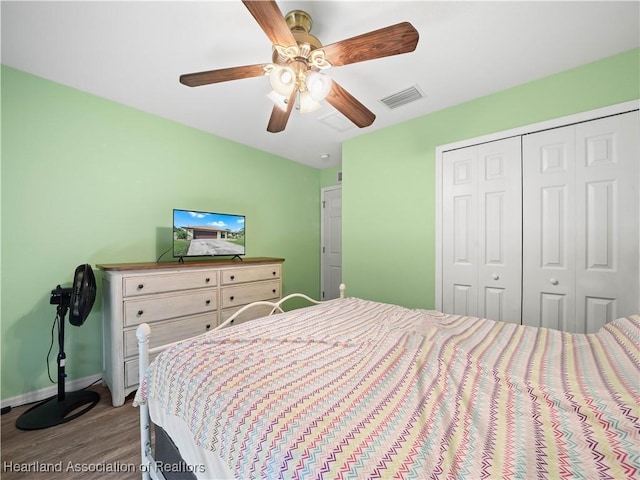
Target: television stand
236 256
181 260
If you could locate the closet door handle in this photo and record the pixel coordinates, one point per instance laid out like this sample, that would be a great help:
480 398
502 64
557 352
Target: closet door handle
553 281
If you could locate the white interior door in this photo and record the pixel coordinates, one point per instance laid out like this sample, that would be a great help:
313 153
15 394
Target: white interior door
607 157
331 232
549 237
580 222
580 245
482 233
460 231
500 230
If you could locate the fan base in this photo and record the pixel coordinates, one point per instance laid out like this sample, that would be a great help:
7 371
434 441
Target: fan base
298 20
52 412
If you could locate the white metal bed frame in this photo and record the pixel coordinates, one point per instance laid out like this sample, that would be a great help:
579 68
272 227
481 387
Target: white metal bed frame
148 465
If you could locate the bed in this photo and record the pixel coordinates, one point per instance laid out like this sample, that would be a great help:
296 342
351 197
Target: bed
356 389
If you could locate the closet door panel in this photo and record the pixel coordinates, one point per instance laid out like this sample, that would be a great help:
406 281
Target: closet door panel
460 245
548 298
482 230
607 157
500 230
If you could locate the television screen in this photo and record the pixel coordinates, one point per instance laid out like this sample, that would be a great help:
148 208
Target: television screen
197 234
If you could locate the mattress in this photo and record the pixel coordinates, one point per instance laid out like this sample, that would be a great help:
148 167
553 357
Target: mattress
359 389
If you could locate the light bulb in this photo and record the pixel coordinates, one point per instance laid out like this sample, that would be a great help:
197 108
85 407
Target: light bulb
318 85
278 100
282 80
307 103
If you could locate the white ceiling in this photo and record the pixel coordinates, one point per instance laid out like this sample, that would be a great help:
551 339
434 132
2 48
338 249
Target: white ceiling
133 52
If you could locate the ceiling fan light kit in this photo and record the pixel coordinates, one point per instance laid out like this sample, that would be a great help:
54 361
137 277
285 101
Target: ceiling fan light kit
318 84
299 58
306 102
278 100
282 79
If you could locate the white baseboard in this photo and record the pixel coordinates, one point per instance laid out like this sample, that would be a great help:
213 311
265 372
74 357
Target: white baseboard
47 392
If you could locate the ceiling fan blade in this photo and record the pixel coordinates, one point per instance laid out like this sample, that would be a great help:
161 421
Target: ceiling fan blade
271 20
221 75
279 117
351 108
392 40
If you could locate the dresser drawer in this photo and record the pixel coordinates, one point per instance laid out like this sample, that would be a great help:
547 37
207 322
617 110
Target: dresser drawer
152 308
148 284
171 331
132 371
232 276
251 314
243 294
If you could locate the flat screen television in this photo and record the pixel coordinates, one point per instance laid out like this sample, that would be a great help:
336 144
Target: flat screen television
198 234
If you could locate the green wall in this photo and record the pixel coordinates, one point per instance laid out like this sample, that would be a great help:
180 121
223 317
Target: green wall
86 180
329 176
388 193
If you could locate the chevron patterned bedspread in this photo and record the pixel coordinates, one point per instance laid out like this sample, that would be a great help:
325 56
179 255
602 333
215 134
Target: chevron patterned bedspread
354 389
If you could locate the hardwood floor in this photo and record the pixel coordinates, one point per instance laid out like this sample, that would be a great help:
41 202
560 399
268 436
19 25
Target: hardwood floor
103 443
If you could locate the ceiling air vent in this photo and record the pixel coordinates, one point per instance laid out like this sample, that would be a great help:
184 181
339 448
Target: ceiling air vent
403 97
336 121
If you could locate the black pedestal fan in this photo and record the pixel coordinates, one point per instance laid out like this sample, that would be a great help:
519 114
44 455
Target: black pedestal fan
77 300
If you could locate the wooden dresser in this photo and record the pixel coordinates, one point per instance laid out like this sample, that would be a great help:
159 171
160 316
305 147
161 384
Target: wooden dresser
178 301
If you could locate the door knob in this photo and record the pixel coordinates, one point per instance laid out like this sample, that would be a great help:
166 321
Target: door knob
553 281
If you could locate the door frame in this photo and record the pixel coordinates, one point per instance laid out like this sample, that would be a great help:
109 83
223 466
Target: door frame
323 192
518 131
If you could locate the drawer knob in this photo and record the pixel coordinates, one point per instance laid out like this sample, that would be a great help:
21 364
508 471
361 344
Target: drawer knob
208 326
140 286
231 298
207 280
274 290
274 273
233 277
208 302
140 312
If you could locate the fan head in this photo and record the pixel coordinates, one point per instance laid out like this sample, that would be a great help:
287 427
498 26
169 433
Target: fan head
83 294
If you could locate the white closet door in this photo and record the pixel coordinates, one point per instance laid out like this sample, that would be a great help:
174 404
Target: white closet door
482 230
548 282
500 230
607 157
460 244
580 234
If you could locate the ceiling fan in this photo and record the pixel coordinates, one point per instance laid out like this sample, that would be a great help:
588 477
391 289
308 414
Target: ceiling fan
298 61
